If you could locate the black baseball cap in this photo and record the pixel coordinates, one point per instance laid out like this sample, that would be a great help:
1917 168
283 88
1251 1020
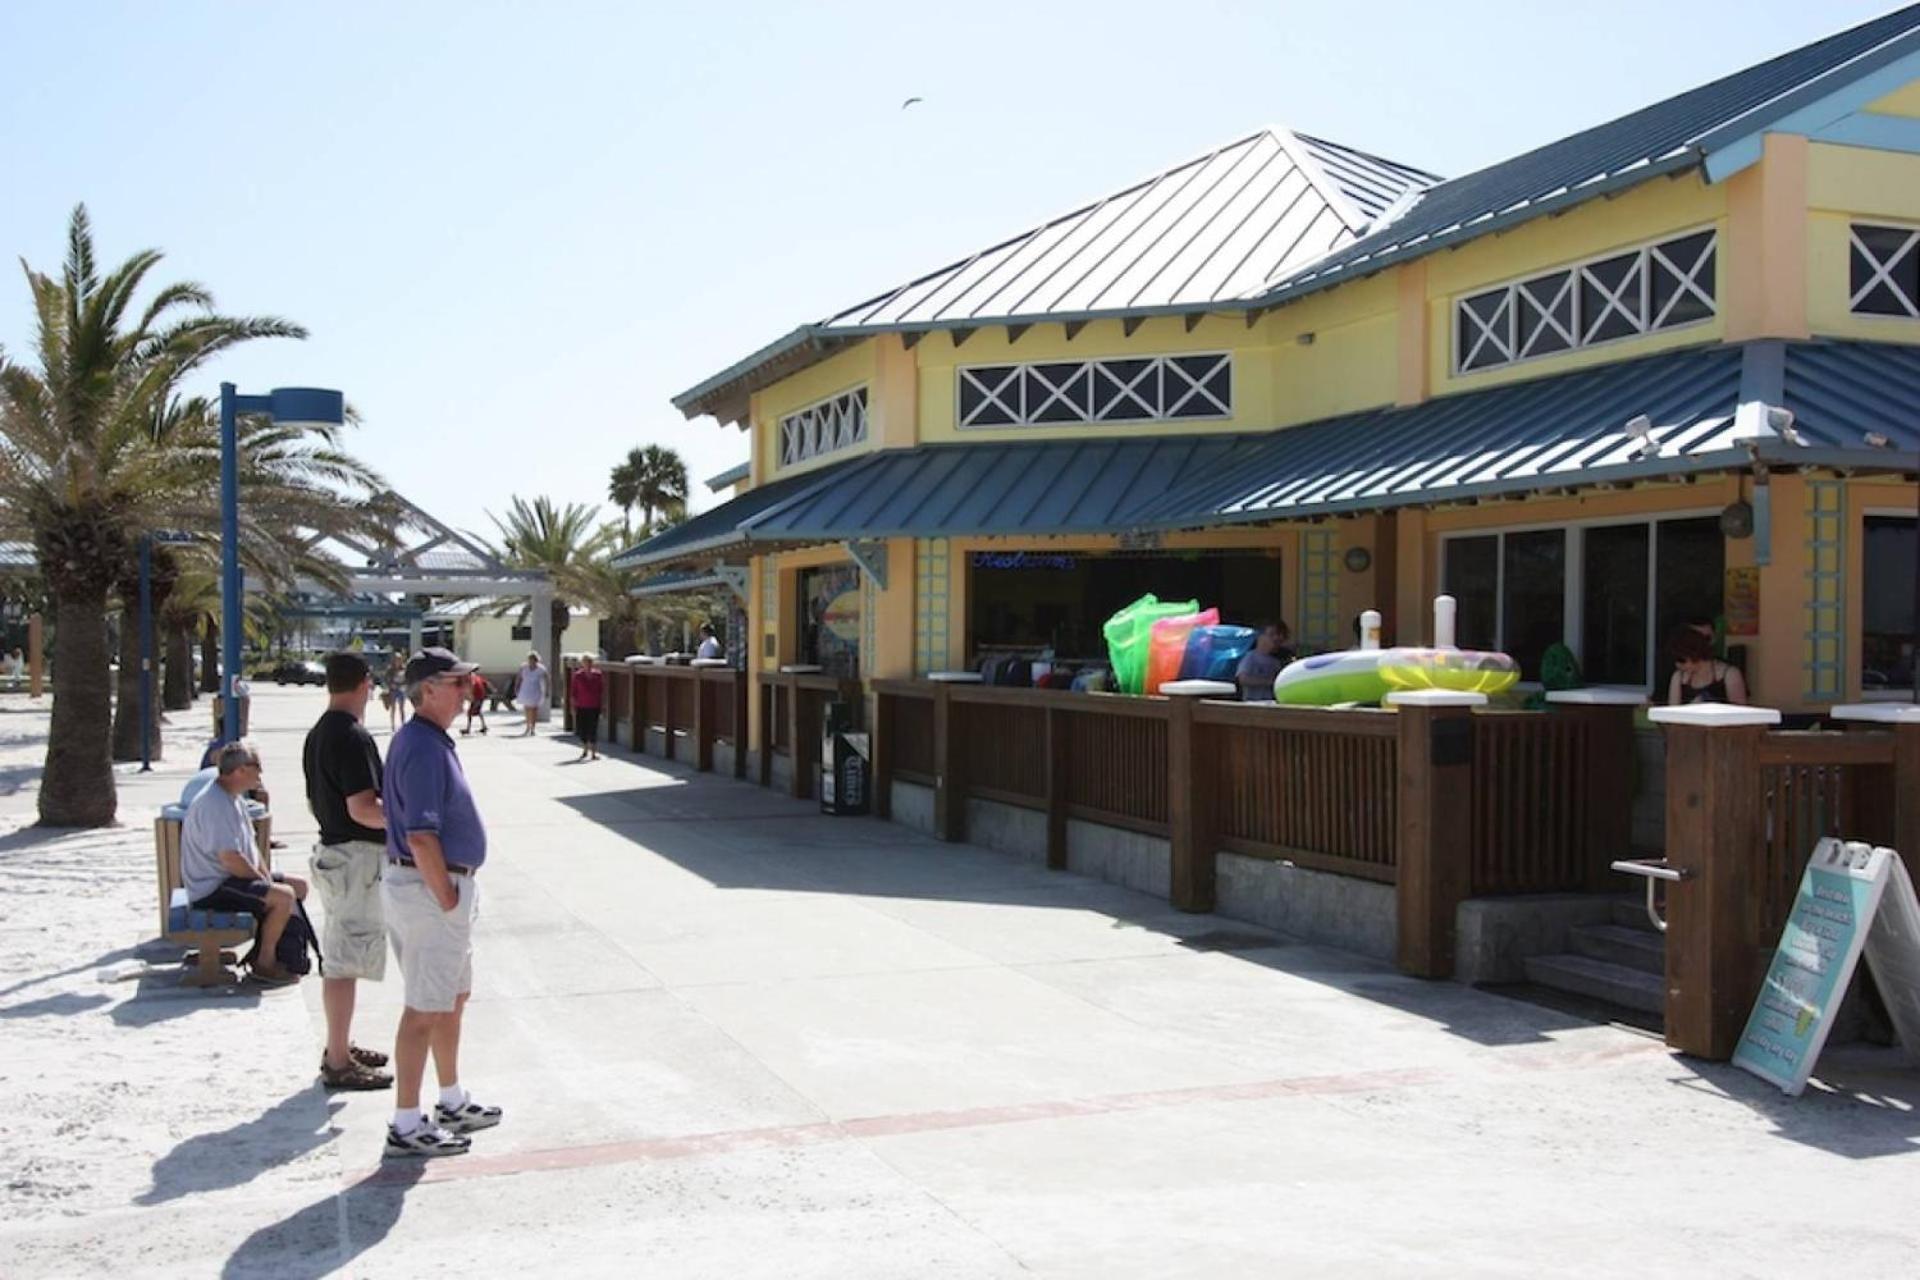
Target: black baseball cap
436 661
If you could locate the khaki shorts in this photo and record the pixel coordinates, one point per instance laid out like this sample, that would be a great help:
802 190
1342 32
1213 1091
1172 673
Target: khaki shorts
353 927
434 947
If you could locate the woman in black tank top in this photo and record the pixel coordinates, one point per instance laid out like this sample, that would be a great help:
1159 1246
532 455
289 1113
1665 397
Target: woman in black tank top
1698 676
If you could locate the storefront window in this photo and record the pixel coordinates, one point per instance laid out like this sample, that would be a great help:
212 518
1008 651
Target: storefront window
1886 648
1533 597
1613 621
830 619
1027 601
1472 574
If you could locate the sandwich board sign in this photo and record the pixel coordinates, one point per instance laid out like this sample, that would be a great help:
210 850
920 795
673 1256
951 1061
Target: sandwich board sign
1853 899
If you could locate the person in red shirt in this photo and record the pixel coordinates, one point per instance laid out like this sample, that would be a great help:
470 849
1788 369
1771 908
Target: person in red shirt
478 705
588 690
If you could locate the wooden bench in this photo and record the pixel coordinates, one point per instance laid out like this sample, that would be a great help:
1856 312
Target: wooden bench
207 934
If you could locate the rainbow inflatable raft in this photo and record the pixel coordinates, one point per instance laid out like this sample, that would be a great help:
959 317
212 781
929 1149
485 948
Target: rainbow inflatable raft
1370 673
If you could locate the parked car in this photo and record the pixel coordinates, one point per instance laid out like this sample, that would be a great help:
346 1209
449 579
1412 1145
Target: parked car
295 673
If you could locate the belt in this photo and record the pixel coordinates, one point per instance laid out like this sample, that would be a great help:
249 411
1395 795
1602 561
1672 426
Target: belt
453 868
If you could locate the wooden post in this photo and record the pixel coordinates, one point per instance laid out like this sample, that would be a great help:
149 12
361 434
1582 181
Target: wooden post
637 709
800 775
884 706
766 732
566 696
1605 717
1893 813
1713 817
36 655
949 767
1190 810
738 692
1435 872
702 724
667 747
1059 761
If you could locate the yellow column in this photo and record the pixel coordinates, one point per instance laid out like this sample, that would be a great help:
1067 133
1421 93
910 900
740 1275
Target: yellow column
1414 583
893 641
1776 658
893 402
1763 263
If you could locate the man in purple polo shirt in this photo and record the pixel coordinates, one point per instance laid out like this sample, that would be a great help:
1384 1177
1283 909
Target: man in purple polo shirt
435 847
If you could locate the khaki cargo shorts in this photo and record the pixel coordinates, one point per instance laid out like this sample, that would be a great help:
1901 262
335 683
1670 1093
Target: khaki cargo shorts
434 947
353 927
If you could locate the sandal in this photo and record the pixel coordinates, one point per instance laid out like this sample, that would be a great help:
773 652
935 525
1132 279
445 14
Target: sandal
353 1076
366 1057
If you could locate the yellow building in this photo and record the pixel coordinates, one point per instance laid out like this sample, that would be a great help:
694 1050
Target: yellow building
1668 367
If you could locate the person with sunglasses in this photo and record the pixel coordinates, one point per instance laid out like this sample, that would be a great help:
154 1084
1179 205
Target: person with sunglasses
436 846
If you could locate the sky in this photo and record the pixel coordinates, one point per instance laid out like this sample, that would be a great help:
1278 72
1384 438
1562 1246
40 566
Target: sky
515 231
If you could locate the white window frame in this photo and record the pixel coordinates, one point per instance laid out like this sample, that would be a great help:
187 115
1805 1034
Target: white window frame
1010 393
1881 270
803 435
1578 274
1573 590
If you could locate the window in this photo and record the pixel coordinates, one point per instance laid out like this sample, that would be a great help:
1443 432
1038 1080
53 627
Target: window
830 620
1661 286
1883 271
1886 641
1609 592
522 632
836 423
1135 389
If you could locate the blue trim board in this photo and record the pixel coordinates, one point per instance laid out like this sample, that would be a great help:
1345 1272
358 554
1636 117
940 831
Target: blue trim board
1738 146
1877 132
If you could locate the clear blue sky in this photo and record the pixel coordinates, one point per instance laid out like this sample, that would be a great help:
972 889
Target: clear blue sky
516 229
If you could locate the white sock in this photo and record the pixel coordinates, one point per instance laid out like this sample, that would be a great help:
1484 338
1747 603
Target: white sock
452 1097
407 1119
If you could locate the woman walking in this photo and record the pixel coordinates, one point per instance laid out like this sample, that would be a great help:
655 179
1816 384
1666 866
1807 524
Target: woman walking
588 690
532 690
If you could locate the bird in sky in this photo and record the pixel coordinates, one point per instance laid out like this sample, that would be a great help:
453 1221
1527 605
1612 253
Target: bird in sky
909 102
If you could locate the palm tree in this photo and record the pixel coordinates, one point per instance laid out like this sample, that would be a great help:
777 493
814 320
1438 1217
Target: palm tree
559 540
90 460
653 479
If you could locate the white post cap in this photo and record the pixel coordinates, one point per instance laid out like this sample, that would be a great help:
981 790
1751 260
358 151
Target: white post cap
1877 712
1200 689
1714 715
1435 698
1598 697
955 677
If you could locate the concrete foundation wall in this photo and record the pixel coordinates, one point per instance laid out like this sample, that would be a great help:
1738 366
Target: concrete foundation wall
1119 857
723 759
1008 828
913 807
1316 906
1493 936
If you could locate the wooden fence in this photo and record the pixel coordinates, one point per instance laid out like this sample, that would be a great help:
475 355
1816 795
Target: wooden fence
793 705
689 710
1745 806
1441 802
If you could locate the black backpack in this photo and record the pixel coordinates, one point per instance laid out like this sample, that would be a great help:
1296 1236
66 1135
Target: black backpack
296 940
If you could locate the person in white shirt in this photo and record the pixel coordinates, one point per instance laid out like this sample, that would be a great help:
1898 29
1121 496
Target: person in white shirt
531 681
709 642
220 859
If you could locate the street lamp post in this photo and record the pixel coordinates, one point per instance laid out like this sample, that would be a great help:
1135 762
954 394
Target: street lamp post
290 405
146 639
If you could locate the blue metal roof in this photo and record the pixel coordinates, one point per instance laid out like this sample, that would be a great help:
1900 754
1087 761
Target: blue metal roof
1571 431
1664 138
1000 487
723 526
1562 432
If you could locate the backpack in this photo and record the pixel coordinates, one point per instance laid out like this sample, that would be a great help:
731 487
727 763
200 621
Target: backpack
295 941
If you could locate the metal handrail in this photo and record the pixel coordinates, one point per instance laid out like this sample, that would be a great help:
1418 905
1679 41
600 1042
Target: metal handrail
1653 871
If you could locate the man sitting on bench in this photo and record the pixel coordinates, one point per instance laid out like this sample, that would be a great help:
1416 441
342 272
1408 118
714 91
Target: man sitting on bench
220 862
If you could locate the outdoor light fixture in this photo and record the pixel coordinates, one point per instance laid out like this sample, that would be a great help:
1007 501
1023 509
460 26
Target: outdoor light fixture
290 406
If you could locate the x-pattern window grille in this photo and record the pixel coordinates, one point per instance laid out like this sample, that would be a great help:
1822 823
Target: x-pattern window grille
1661 286
1884 271
1129 389
831 425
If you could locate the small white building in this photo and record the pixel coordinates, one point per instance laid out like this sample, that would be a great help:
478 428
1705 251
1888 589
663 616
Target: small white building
501 641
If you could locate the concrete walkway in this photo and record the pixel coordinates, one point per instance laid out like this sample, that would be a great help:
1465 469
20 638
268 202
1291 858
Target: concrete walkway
734 1038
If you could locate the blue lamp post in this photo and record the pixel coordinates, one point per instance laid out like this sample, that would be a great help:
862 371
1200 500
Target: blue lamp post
294 406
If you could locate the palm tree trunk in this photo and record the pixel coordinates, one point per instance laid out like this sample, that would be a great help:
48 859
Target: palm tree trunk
126 707
210 657
176 689
76 790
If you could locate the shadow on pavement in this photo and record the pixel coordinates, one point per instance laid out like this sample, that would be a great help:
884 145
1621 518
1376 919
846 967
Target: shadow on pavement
739 836
100 962
1861 1104
238 1154
327 1235
60 1005
160 996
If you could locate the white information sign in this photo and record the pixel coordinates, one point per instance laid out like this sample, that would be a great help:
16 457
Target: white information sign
1853 898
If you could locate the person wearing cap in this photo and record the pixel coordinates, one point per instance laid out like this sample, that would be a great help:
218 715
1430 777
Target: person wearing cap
220 865
436 846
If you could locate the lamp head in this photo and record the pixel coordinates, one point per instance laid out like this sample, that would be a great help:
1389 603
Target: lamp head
1638 427
307 406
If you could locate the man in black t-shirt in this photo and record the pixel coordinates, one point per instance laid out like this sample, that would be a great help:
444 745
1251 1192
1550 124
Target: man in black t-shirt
343 790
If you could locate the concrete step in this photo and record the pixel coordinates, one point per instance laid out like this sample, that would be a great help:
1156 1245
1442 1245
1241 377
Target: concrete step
1641 949
1631 913
1598 980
